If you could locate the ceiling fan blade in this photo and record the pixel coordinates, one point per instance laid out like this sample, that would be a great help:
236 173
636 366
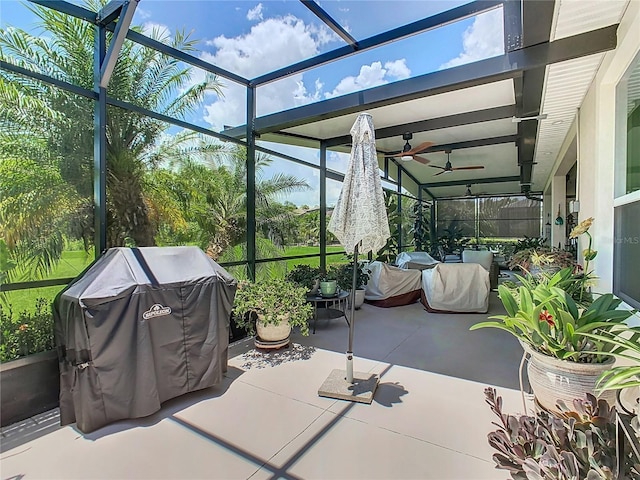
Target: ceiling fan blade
413 151
475 167
437 166
422 160
440 173
420 148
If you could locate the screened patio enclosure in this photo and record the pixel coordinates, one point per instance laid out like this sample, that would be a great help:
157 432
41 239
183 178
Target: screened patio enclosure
102 148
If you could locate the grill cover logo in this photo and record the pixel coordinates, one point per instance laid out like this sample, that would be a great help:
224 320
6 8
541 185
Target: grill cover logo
156 310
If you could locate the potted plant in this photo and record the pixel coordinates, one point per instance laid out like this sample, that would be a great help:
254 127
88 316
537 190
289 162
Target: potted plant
344 276
537 261
305 276
328 284
270 308
565 361
627 375
577 443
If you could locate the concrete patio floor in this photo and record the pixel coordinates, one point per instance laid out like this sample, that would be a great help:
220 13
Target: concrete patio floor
428 419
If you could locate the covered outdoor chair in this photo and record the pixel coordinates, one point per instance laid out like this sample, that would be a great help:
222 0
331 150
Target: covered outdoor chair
482 257
391 286
455 288
449 257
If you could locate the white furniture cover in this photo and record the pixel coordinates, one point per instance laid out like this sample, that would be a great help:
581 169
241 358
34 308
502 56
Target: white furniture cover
483 257
422 258
456 287
388 283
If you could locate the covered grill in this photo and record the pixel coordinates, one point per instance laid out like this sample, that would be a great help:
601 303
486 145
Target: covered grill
140 326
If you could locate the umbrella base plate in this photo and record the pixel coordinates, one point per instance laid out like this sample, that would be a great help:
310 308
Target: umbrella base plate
361 390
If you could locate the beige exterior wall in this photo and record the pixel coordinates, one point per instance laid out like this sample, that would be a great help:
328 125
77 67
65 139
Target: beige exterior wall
597 146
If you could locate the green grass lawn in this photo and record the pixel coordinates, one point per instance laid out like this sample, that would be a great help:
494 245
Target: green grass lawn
313 261
71 264
74 262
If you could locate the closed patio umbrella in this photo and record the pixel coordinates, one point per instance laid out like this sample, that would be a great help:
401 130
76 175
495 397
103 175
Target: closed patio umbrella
359 221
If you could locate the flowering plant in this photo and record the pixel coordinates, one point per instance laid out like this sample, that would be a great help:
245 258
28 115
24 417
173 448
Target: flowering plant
588 253
545 317
25 332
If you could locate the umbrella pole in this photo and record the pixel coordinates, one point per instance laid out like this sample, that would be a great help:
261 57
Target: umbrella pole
352 316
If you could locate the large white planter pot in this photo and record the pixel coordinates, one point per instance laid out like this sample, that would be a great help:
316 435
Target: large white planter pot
359 300
552 379
273 333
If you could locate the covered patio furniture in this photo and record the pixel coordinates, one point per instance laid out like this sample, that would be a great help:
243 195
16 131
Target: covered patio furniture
481 257
485 258
416 260
391 286
455 287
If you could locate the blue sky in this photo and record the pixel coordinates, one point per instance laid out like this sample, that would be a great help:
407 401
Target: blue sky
254 37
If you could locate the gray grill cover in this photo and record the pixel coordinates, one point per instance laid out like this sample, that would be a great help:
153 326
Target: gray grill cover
140 326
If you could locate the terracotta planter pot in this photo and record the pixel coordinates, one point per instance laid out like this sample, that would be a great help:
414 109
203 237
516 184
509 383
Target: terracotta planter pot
552 379
273 333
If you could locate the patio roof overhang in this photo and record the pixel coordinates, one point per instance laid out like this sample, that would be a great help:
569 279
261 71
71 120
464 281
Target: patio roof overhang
488 113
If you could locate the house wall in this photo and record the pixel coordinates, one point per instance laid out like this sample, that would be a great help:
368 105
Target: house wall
597 146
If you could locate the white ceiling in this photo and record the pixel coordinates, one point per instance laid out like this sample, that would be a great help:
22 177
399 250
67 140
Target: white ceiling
466 100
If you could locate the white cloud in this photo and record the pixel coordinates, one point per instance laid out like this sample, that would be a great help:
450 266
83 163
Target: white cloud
142 13
255 13
156 30
269 45
301 96
398 69
481 40
371 76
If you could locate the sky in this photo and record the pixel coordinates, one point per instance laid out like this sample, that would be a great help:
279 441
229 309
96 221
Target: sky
251 38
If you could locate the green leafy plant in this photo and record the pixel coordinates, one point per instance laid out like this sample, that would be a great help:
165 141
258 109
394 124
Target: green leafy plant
391 249
6 262
453 239
304 275
579 443
528 243
543 258
270 302
420 229
545 317
343 273
621 376
589 254
27 332
568 279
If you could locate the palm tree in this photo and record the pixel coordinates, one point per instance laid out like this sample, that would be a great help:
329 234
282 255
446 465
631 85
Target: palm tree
273 219
210 188
142 76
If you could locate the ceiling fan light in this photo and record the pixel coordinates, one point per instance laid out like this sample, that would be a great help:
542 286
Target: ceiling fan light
406 158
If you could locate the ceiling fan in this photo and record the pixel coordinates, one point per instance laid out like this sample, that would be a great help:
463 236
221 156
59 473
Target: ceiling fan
448 168
408 153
